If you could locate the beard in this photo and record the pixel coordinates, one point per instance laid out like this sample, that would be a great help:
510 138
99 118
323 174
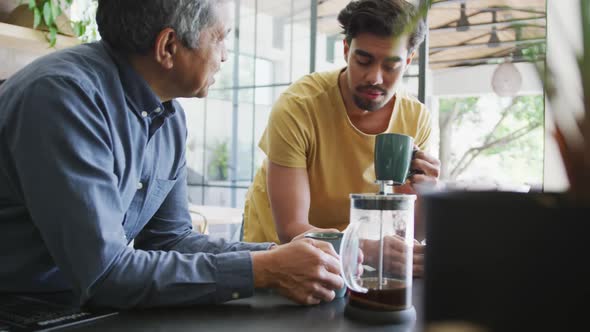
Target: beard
368 105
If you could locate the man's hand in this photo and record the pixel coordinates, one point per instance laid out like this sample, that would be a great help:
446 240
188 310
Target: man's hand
426 169
394 255
419 250
305 271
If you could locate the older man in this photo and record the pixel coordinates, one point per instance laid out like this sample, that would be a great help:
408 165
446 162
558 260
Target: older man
92 158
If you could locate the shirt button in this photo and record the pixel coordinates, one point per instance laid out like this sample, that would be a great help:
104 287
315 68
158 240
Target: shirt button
144 114
139 186
235 295
158 110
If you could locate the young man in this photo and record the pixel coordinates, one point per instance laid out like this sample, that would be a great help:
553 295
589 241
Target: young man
320 136
92 158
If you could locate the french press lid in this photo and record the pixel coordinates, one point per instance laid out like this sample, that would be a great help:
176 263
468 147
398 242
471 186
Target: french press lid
382 202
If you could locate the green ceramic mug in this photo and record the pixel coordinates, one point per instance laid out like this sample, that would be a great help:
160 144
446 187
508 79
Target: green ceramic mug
393 156
335 239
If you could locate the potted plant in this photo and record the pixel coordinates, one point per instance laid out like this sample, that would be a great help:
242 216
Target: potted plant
218 166
6 7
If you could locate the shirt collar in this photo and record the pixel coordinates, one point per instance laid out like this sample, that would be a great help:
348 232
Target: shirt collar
137 91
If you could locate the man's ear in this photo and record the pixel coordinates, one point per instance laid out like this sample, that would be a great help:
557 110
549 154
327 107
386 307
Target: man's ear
165 48
410 58
346 49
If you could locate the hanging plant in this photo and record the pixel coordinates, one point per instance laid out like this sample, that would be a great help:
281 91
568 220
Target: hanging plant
46 16
47 12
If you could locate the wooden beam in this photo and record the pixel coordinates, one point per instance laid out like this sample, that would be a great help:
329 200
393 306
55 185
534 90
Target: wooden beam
536 21
479 45
483 60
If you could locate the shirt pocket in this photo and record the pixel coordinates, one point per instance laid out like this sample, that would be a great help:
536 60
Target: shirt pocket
161 189
156 196
144 208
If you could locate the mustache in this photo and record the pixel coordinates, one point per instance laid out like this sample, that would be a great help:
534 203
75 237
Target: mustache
371 88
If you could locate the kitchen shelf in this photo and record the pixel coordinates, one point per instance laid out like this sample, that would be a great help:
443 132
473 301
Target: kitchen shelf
31 40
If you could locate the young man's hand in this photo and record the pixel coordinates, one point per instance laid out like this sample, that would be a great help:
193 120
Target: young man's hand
395 252
426 169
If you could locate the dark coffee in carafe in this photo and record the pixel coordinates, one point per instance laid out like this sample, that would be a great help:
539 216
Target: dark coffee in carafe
393 295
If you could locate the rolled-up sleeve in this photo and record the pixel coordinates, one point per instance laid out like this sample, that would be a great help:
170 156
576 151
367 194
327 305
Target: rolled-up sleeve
63 156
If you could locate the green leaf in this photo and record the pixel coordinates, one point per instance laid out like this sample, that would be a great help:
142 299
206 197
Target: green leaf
79 28
52 36
55 11
32 4
37 15
47 14
76 28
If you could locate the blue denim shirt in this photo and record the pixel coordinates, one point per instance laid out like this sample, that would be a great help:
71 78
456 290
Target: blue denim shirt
90 159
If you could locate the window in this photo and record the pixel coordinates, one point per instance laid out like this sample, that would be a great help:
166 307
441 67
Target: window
486 139
486 94
224 129
272 47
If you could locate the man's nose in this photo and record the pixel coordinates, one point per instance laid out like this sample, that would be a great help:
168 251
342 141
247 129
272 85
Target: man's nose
375 76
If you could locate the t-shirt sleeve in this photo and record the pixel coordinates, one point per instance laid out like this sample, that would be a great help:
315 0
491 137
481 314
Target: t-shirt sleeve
424 132
287 137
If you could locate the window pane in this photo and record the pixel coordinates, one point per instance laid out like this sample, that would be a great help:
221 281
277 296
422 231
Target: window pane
300 41
272 49
265 71
492 141
245 141
410 85
217 196
248 20
263 109
241 197
489 136
218 140
195 143
196 194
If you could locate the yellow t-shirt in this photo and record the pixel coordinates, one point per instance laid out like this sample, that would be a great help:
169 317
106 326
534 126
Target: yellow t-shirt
309 127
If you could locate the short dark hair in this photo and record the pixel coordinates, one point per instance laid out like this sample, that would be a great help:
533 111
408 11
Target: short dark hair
131 26
384 18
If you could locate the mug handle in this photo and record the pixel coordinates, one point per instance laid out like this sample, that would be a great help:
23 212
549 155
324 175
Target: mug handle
349 258
413 172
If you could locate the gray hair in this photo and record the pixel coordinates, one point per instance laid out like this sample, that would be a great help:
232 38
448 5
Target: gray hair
131 26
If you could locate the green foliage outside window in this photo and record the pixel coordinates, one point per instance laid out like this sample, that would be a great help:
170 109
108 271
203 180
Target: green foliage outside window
218 166
514 139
